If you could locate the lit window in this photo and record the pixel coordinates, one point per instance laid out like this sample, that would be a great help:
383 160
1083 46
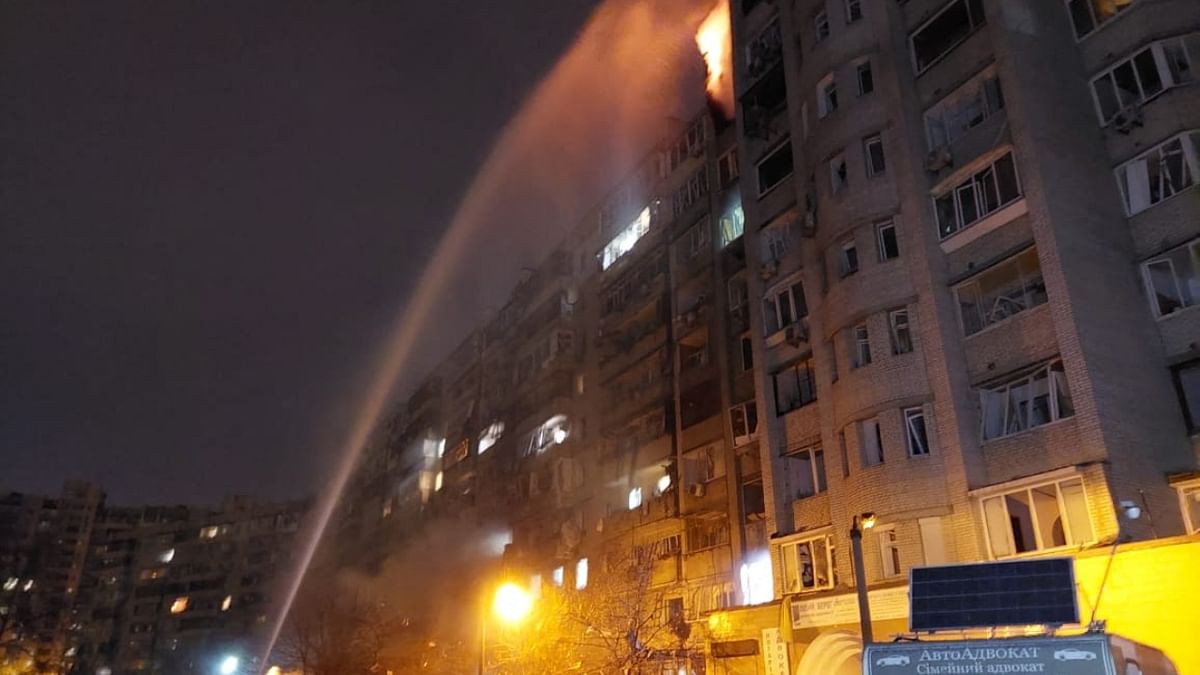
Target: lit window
552 432
557 576
180 605
964 109
870 440
977 197
808 565
1006 289
1160 173
167 555
873 152
914 424
663 484
635 498
1028 400
210 532
438 478
757 579
1173 279
11 583
733 225
889 552
827 96
625 240
489 436
581 573
227 603
1047 516
946 30
1088 15
901 331
441 447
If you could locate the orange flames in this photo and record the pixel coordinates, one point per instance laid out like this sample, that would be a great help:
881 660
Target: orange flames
716 46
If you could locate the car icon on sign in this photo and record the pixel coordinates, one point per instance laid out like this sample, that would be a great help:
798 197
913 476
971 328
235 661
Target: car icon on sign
1074 655
893 660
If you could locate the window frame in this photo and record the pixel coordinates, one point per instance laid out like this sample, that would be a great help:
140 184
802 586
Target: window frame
848 261
1025 304
873 171
1189 141
796 310
839 174
827 98
877 424
974 90
728 169
822 31
769 155
974 28
888 541
751 433
1096 26
860 341
880 242
817 470
851 7
896 330
1063 513
972 181
805 377
917 447
830 562
1004 388
1193 249
861 67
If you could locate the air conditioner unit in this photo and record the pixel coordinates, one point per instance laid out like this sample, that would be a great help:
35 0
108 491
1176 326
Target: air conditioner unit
698 490
768 270
1129 117
796 334
938 160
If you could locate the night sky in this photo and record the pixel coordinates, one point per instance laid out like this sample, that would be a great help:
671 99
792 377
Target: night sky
212 211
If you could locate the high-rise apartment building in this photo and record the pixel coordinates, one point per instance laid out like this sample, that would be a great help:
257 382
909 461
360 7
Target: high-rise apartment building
941 269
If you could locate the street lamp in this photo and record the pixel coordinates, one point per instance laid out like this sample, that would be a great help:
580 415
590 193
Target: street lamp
511 604
860 575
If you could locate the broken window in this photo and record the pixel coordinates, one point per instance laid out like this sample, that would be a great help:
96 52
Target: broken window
977 197
866 80
743 422
776 240
821 25
806 472
625 240
1008 288
1146 74
795 387
914 425
827 96
945 31
1160 173
784 306
1173 279
860 345
838 175
703 464
901 331
964 109
1029 399
870 440
705 533
873 153
764 50
889 551
690 192
1088 15
886 240
774 168
848 260
733 224
727 167
808 565
1038 518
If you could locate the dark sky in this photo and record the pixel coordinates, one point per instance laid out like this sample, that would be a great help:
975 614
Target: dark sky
211 211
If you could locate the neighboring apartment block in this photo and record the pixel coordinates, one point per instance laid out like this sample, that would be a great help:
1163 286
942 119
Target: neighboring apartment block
140 589
941 269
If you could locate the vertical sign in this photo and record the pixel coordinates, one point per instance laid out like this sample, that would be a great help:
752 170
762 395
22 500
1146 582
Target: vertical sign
775 653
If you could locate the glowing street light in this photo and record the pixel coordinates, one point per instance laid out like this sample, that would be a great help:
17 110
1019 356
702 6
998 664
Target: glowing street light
229 665
512 603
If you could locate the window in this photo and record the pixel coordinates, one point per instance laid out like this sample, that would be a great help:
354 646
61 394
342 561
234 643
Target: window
860 345
733 225
808 565
821 25
838 177
774 168
743 422
702 465
557 576
747 353
1038 518
227 603
1088 15
1009 288
866 80
625 240
634 499
806 472
914 425
167 555
982 194
1139 78
795 386
848 261
784 306
764 51
1162 172
853 10
827 100
180 605
705 533
885 238
870 439
551 432
901 331
776 240
489 436
727 167
698 237
690 193
1187 381
964 109
1030 399
889 552
738 293
1173 279
945 31
873 152
581 573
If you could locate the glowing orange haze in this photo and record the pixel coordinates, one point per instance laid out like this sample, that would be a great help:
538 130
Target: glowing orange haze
716 46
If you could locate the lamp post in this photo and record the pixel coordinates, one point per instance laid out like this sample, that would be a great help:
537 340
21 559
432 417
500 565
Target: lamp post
860 575
510 604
